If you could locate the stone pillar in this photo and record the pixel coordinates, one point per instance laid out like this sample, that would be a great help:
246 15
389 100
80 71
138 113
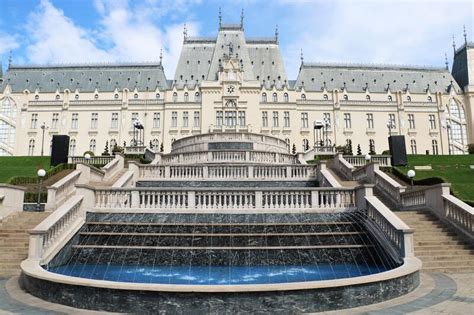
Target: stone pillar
135 199
360 193
191 199
314 199
258 200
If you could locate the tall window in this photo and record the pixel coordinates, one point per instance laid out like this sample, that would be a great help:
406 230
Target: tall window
434 146
285 98
430 99
286 119
174 119
31 147
134 117
92 145
413 146
370 121
197 119
325 97
114 121
347 121
34 121
327 117
390 98
94 120
72 147
175 97
219 118
231 118
186 97
367 98
74 120
264 97
197 97
411 121
304 120
432 120
346 97
112 143
156 120
391 119
242 118
275 98
265 119
155 145
303 97
54 121
185 119
275 119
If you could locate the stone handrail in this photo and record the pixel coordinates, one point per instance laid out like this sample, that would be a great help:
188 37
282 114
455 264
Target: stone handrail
229 156
218 171
388 186
325 177
344 167
11 199
46 237
359 160
135 149
395 229
113 167
61 190
125 180
224 199
459 213
413 199
94 160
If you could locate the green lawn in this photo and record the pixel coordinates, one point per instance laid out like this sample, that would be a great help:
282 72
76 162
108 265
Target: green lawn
453 169
21 166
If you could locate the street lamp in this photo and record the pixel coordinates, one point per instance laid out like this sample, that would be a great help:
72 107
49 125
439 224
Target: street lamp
448 125
367 158
411 174
390 126
327 124
41 173
43 127
87 157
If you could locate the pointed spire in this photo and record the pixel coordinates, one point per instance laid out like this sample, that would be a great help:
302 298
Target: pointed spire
276 33
301 56
161 56
454 45
464 34
220 17
185 33
242 19
446 61
10 59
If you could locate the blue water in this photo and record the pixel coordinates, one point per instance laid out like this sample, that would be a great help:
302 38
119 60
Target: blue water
216 274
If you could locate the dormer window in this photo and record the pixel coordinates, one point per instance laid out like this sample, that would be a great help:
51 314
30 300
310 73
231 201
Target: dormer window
325 96
430 99
303 97
197 97
157 95
135 95
264 97
346 97
408 98
367 97
96 96
76 96
37 97
390 98
57 96
116 96
175 97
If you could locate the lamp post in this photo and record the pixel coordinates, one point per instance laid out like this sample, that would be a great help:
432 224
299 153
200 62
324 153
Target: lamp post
367 158
41 173
411 174
43 127
87 157
327 124
390 126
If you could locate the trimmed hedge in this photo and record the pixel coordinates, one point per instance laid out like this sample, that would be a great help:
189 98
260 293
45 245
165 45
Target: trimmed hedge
417 182
22 180
33 197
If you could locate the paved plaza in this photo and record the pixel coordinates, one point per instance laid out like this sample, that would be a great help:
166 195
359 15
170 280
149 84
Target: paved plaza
438 293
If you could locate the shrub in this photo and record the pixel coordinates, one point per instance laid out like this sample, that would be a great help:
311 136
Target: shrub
386 152
88 152
470 148
117 149
417 182
22 180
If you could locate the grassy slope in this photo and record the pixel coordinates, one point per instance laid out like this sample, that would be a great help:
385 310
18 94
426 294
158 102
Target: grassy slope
452 168
21 166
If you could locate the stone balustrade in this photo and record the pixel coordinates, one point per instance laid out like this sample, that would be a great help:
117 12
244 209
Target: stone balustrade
49 236
224 199
94 160
344 167
413 199
359 160
400 234
217 171
229 157
11 199
388 186
139 149
114 167
61 190
460 213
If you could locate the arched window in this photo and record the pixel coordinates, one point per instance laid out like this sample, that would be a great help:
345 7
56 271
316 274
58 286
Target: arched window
186 97
390 98
275 98
31 147
328 142
72 147
287 140
197 97
285 98
92 145
346 97
408 98
454 110
367 97
135 95
155 144
116 96
303 97
175 97
413 146
326 97
264 97
8 109
157 95
113 143
434 146
430 99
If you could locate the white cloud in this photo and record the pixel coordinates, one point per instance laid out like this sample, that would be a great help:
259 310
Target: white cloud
7 43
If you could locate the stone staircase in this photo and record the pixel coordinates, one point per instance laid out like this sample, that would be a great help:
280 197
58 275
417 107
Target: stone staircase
436 245
14 240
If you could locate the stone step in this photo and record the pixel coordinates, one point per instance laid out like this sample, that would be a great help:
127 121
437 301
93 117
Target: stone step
435 242
448 264
4 273
7 266
447 251
448 269
8 255
444 258
437 247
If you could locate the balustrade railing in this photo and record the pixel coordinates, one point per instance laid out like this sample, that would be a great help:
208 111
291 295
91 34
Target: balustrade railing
460 213
359 160
343 166
229 156
94 160
139 149
388 186
413 199
59 191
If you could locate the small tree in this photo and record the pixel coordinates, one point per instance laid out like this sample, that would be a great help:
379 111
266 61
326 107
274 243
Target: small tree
106 149
371 147
162 148
151 145
293 150
470 148
306 148
349 147
359 151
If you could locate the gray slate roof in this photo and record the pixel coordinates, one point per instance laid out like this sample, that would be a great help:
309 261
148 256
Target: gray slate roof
463 58
86 78
377 78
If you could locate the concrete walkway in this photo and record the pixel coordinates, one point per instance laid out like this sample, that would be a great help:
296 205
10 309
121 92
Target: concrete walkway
438 293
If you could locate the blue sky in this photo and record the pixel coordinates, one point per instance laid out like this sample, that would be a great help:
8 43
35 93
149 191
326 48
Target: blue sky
416 32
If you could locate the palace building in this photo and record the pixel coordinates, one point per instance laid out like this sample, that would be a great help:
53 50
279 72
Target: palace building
238 84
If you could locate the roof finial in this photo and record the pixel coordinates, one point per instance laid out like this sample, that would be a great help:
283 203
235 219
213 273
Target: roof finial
161 56
10 59
465 34
446 61
185 33
454 45
242 19
301 56
276 33
220 17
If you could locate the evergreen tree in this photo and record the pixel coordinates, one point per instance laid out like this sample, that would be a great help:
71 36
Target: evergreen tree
151 145
293 150
106 149
371 148
349 147
359 151
162 148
